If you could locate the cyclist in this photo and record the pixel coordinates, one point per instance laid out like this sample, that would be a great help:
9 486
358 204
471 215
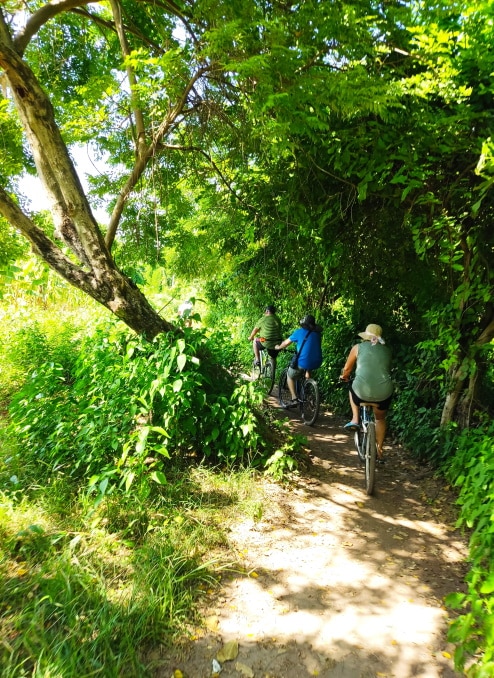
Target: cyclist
372 382
269 328
185 310
309 352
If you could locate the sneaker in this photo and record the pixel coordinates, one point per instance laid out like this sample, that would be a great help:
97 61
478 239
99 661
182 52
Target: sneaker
351 426
257 363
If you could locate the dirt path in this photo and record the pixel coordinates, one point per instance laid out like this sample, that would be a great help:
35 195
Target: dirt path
342 585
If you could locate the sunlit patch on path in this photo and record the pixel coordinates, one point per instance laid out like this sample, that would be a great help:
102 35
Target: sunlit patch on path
335 583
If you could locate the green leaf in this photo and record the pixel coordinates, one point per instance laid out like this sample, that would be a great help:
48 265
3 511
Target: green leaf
158 477
159 429
181 360
488 584
103 485
129 479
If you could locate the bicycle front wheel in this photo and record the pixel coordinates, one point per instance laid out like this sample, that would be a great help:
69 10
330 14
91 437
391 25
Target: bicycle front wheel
255 370
268 375
310 402
370 458
284 395
360 442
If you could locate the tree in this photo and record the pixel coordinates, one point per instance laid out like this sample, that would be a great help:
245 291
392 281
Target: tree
374 180
302 135
151 85
151 111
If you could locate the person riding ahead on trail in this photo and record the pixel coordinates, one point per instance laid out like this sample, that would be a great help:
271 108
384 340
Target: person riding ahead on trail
269 329
309 352
372 382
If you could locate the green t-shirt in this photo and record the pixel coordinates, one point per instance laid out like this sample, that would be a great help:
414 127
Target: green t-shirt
270 329
372 375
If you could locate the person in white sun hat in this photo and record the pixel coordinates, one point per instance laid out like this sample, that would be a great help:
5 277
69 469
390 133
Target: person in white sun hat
372 382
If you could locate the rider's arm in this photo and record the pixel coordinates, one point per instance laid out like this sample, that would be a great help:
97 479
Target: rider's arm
284 344
253 333
350 363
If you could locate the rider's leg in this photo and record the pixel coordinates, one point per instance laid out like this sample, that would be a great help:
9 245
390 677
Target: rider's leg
380 416
355 411
291 386
255 346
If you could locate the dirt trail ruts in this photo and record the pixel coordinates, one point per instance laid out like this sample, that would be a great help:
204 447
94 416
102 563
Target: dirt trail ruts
341 585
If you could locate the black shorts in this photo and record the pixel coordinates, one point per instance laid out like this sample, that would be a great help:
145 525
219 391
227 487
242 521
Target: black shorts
381 404
271 351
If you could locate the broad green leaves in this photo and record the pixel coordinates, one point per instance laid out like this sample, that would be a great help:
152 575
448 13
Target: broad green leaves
126 406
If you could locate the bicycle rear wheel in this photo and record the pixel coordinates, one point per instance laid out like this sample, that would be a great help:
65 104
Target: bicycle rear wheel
284 395
370 458
268 374
310 401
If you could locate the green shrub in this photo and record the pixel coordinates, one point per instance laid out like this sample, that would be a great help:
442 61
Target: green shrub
127 406
472 470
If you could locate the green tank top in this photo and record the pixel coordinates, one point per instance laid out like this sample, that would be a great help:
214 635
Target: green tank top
372 375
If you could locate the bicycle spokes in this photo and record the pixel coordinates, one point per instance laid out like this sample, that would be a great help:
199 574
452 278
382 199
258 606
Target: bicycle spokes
310 401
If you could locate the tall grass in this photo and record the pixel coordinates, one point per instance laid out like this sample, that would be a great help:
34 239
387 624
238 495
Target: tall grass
88 588
88 591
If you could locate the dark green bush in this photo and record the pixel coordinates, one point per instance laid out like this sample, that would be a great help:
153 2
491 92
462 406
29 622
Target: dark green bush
472 470
127 406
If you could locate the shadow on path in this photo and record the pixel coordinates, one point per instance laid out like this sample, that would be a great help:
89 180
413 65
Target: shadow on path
336 583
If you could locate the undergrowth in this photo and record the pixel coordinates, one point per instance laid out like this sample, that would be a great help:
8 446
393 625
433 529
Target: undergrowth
472 471
89 590
122 408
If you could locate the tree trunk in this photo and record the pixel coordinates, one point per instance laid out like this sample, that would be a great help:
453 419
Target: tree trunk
92 268
458 378
458 403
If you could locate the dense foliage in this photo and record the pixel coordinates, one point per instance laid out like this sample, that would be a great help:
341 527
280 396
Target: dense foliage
329 158
121 408
472 471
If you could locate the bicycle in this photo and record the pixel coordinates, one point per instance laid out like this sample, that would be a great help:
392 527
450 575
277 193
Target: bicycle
308 396
365 443
266 370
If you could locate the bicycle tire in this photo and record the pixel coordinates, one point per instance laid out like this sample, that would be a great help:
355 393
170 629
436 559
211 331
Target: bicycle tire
284 395
370 458
269 374
310 402
256 370
360 441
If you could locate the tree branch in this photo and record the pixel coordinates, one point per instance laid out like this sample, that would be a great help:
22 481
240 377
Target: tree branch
143 159
41 17
124 46
42 245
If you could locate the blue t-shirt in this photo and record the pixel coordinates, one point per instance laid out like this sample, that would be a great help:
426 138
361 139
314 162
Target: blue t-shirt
311 356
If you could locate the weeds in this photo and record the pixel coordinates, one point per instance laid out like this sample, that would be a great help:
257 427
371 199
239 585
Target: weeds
88 591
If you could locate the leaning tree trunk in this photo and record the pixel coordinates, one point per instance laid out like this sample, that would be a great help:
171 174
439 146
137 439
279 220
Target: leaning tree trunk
457 382
464 377
89 266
